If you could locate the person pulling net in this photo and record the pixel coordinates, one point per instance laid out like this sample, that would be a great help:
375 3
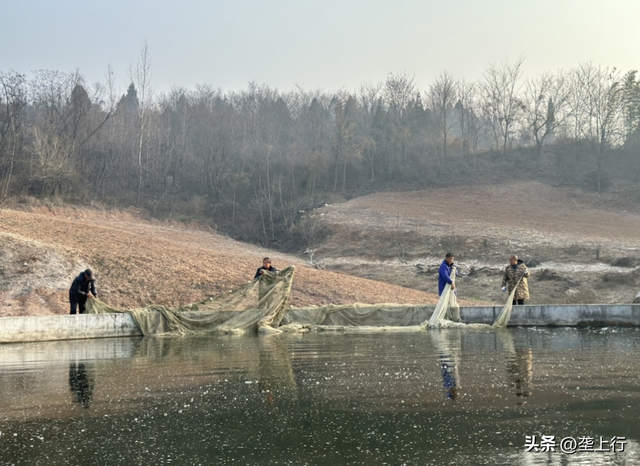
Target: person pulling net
515 280
505 314
257 306
447 307
447 311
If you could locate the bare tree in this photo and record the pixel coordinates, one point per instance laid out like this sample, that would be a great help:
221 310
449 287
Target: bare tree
442 97
399 90
631 95
598 109
53 158
314 133
466 117
546 100
57 129
370 100
344 144
141 76
501 103
13 98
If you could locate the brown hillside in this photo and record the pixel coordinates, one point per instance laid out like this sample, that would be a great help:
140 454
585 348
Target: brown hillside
582 247
139 262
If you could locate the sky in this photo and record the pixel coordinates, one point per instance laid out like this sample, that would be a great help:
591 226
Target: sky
324 45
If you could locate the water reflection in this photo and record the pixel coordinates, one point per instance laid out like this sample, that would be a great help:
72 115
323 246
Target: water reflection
447 343
321 399
82 382
519 362
520 369
276 374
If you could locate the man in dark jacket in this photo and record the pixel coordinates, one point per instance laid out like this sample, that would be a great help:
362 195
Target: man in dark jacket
82 288
266 265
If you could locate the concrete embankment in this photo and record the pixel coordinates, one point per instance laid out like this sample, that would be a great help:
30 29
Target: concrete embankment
68 327
573 315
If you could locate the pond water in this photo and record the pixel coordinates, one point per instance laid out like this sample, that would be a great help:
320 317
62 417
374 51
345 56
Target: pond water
452 396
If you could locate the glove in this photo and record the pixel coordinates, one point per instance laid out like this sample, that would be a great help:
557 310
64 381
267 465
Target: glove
504 288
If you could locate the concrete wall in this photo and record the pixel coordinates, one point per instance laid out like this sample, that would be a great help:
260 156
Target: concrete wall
69 327
596 315
73 327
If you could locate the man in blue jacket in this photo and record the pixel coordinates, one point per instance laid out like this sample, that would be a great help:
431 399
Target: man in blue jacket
82 288
444 274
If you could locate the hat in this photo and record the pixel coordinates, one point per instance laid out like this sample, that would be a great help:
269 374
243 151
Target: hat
89 274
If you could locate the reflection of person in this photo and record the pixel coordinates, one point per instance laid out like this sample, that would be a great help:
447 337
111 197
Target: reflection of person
516 274
520 369
447 344
81 383
266 266
449 376
519 364
447 269
82 288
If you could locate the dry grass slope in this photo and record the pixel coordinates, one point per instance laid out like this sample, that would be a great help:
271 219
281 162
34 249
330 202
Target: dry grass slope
140 262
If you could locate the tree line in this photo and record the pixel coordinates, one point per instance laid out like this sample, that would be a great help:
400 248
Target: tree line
251 162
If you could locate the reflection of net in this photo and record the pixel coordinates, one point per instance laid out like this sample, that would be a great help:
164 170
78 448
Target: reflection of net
276 373
259 304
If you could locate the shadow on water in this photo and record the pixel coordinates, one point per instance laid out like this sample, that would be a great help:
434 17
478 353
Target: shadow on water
446 396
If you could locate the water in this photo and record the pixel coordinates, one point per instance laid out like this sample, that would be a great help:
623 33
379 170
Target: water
441 397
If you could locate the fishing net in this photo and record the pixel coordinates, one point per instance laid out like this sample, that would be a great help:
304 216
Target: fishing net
261 305
376 318
257 306
447 307
358 315
367 318
447 311
505 314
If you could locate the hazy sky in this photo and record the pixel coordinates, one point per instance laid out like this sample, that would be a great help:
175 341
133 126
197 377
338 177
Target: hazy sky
327 44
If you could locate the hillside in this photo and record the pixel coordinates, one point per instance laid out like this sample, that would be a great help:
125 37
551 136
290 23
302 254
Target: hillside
384 247
583 247
139 261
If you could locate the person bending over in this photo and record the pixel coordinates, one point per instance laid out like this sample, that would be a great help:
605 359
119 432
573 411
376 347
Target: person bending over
82 288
